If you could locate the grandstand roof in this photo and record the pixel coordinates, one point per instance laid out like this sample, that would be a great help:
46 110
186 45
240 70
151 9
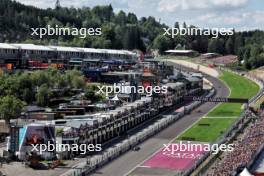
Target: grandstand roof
63 48
111 51
106 51
90 50
66 48
31 47
179 51
7 46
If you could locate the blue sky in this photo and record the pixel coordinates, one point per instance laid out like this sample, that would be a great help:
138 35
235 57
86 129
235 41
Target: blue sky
238 14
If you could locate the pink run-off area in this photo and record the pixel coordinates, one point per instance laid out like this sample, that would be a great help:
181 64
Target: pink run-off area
170 157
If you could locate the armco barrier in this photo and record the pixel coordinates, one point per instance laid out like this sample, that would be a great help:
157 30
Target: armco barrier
112 153
231 132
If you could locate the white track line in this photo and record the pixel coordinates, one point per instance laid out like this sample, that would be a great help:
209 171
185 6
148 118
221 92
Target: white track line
220 117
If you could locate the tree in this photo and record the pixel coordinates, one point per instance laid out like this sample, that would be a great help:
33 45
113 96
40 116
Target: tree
177 25
57 5
43 94
10 108
247 64
90 95
27 95
162 43
132 38
255 50
238 42
121 18
184 25
212 46
40 77
101 42
61 82
78 82
229 46
216 46
9 86
132 18
75 79
109 33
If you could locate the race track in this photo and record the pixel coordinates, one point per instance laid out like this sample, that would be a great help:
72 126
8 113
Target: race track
130 160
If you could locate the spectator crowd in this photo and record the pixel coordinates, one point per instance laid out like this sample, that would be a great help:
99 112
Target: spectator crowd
244 151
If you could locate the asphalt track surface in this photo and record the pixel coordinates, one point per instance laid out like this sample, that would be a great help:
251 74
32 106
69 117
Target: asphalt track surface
127 162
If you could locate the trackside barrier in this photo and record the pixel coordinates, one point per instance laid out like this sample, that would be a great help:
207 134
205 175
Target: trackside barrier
232 131
99 160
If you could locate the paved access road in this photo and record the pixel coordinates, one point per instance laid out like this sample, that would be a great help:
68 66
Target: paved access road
130 160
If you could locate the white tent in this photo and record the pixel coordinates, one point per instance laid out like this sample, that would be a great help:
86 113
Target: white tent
245 172
115 98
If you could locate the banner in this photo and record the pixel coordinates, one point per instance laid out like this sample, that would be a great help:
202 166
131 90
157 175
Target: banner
216 99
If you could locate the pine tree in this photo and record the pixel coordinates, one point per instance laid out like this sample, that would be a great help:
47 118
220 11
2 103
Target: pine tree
57 4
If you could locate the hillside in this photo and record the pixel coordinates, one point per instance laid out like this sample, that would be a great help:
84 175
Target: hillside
121 31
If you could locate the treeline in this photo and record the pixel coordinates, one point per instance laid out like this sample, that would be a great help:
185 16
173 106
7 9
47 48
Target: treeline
41 88
247 45
251 50
44 85
121 31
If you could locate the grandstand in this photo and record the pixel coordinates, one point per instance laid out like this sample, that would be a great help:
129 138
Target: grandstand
245 152
19 54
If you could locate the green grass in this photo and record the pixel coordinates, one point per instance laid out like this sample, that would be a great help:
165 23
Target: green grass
226 113
208 133
240 88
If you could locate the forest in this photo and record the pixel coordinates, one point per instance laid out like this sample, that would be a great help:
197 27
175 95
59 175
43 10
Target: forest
121 31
